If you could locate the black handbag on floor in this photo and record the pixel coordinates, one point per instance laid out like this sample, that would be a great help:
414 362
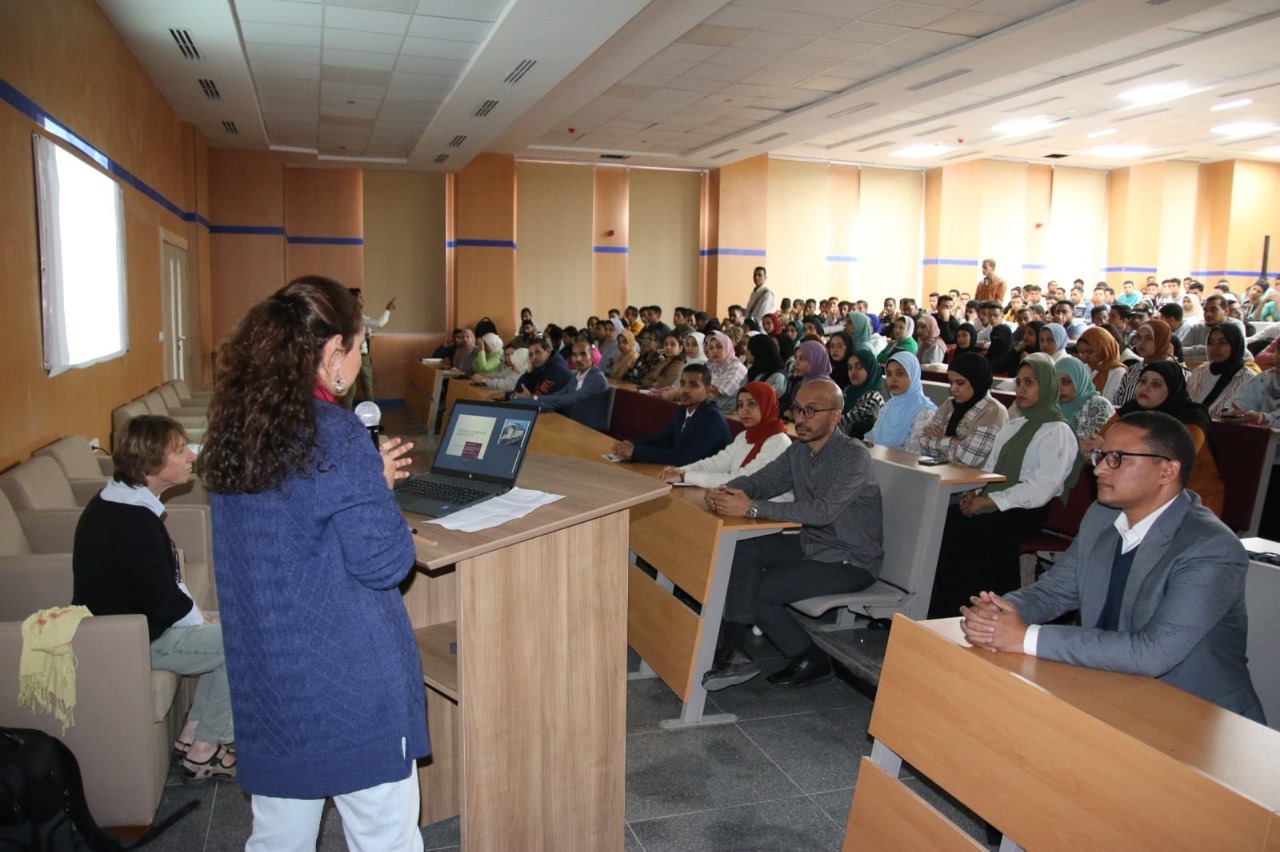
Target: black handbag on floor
42 804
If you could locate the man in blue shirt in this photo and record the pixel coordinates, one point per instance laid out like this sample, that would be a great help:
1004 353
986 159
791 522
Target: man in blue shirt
585 397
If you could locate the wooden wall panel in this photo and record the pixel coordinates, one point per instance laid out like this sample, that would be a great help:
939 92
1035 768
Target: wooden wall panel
1077 241
484 210
610 238
344 264
1039 208
933 225
1175 249
663 264
844 186
1253 215
1002 224
404 247
554 262
743 225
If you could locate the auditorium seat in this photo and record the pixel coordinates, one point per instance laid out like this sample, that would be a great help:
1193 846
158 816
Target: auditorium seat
120 418
193 423
1061 525
77 460
178 408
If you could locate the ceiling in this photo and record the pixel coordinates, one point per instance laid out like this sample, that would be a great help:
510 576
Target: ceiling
429 84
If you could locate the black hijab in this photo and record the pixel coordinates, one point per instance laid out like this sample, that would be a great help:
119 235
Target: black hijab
765 357
1226 370
973 337
977 370
786 346
1000 354
1178 404
840 369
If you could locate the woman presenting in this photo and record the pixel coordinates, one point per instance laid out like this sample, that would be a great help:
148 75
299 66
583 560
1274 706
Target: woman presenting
326 683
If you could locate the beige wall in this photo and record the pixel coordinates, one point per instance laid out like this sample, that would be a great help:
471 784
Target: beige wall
663 255
889 234
798 232
554 213
404 239
1076 238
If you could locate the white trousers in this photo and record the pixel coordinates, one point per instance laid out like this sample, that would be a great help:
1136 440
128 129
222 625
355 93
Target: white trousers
377 819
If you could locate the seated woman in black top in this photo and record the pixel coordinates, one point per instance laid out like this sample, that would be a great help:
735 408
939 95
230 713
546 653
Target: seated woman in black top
124 563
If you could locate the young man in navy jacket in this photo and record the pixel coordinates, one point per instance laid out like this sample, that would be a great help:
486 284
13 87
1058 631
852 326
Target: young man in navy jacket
699 430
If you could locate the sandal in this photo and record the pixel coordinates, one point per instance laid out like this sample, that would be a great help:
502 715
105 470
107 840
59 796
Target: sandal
180 749
221 764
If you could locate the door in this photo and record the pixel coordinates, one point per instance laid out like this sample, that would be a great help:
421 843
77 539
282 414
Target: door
177 360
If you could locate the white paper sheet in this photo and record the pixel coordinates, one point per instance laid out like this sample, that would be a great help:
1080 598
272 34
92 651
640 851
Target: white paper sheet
516 503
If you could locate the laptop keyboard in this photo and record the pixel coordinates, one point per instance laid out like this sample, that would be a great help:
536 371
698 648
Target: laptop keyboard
441 492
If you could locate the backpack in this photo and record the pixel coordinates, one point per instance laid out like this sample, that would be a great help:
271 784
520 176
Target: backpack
42 804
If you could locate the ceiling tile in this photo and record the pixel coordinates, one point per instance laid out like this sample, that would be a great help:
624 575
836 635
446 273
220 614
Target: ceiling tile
975 24
355 91
748 90
427 65
362 41
635 92
775 77
328 119
832 49
856 69
654 81
281 33
810 25
906 15
736 58
389 23
930 42
723 73
337 75
1020 9
454 29
894 57
699 84
756 113
359 59
475 10
732 123
705 34
686 52
825 84
296 70
805 64
666 66
260 52
403 6
790 99
280 12
679 96
867 33
402 80
746 17
850 9
290 86
771 42
438 48
272 110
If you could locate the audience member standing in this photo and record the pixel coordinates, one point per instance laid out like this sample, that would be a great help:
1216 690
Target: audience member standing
991 286
362 387
761 302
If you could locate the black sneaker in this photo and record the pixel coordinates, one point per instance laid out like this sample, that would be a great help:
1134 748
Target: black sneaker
738 669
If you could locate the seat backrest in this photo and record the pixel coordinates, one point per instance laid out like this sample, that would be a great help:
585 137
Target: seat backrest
74 455
39 584
170 397
1241 452
13 541
180 388
38 483
120 418
154 404
1065 518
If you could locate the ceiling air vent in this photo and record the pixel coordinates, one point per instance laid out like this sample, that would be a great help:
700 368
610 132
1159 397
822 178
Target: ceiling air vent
186 44
1055 156
1142 114
874 147
486 108
517 73
615 157
230 127
457 141
210 89
440 158
851 110
941 78
932 130
726 152
769 138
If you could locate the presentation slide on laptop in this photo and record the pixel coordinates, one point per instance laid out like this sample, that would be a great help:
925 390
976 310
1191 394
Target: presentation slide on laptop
484 442
470 437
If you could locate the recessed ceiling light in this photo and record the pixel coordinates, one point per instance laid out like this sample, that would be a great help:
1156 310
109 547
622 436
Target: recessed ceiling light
1273 151
1231 104
1119 152
1157 93
1023 126
922 151
1107 131
1241 129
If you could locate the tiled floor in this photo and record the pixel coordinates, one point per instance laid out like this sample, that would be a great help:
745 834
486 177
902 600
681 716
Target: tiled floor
780 778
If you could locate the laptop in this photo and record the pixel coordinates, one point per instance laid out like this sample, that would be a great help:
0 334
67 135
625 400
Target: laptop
480 454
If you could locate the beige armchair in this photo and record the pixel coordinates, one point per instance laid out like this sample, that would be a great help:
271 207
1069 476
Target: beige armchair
187 395
120 418
178 408
126 715
78 462
193 423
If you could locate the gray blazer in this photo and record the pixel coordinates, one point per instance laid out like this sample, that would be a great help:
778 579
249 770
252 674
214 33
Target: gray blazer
1182 619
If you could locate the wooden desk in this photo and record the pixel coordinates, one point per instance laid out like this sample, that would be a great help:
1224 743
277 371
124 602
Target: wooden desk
461 388
425 388
528 720
691 548
1057 756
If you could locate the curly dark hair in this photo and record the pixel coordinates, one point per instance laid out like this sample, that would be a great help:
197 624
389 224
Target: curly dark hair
262 424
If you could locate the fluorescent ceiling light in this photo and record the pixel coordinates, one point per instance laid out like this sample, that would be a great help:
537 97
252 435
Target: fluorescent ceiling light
1119 152
922 151
1023 126
1231 104
1273 151
1157 93
1104 132
1241 129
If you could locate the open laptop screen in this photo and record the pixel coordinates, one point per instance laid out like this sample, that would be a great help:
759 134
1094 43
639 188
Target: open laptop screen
484 440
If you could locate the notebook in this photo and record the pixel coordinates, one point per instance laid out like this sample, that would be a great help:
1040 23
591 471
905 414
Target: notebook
480 454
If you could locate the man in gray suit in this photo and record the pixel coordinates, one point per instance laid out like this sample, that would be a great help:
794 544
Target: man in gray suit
1158 580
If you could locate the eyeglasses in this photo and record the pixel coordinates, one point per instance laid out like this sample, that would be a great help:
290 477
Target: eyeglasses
808 411
1115 457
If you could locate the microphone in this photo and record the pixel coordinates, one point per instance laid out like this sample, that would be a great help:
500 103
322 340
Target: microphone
371 416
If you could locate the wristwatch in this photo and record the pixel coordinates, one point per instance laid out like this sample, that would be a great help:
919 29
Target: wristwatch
753 510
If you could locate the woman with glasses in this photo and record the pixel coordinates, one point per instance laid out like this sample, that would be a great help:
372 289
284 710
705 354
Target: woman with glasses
1038 457
647 359
904 417
1163 387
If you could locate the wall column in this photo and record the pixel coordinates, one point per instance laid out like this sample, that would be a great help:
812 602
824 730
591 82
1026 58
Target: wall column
740 196
611 207
1236 210
484 245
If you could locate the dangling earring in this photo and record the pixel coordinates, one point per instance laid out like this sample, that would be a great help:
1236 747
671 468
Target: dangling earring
339 384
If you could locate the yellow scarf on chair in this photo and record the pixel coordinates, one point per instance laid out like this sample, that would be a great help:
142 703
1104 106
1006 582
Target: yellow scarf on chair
47 667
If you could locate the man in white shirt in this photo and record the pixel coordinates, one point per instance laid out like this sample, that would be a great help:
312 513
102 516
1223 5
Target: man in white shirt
363 385
1157 579
761 302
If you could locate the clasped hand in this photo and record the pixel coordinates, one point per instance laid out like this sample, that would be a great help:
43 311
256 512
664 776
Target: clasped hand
972 503
992 623
395 457
730 502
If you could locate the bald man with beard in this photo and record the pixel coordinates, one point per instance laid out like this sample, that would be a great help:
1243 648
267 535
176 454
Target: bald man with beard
839 549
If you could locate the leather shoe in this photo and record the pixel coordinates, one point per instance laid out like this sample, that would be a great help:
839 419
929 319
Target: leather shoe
737 669
803 671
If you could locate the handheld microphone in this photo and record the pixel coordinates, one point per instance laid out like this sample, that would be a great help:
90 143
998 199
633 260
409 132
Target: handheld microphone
371 416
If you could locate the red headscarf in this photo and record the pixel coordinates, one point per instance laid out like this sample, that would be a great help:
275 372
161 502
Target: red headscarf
777 324
770 423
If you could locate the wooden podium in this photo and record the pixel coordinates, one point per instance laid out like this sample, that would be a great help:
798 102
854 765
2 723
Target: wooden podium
528 719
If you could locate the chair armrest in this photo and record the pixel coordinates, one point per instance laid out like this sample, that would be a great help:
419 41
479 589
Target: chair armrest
49 530
189 527
86 489
34 581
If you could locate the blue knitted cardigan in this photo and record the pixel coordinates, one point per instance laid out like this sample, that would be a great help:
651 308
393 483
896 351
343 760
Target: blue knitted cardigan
324 671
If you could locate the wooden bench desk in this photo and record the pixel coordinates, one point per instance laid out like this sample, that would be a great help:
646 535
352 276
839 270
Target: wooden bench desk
528 719
425 392
1056 756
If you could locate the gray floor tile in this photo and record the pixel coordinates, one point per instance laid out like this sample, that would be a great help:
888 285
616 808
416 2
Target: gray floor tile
836 804
630 843
188 834
231 821
445 834
676 772
755 699
819 751
788 824
649 702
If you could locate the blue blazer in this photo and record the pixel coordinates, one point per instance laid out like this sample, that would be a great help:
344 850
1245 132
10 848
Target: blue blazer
1182 618
589 405
704 434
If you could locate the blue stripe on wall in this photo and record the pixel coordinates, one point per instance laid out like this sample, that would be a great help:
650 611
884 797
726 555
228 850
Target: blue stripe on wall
610 249
481 244
1034 266
731 252
326 241
1227 273
841 258
948 261
250 230
1147 269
